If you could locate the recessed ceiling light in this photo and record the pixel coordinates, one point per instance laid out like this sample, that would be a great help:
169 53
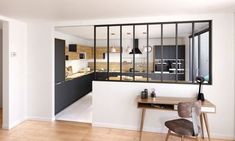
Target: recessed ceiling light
128 33
144 32
113 34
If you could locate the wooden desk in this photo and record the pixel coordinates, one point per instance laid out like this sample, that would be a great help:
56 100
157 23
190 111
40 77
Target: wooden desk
170 104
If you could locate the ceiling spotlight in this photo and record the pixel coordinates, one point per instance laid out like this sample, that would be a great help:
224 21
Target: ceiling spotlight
128 33
113 34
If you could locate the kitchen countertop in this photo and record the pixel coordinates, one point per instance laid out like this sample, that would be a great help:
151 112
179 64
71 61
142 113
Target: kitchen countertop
77 75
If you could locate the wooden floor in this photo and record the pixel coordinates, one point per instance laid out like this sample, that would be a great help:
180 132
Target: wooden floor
71 131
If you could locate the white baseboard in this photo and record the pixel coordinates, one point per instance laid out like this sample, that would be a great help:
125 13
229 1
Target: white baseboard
40 118
127 127
117 126
149 129
222 136
7 127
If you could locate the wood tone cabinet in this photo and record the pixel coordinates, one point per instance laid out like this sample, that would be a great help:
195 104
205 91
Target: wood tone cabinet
87 49
80 49
100 51
71 55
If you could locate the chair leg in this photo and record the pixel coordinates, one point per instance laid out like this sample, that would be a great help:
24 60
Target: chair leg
182 138
168 134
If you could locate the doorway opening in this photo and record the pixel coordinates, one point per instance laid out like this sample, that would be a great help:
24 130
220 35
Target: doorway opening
74 66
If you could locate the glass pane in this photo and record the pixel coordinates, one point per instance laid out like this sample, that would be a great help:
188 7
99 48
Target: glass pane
202 36
169 53
127 58
195 59
184 52
155 53
101 53
140 53
114 53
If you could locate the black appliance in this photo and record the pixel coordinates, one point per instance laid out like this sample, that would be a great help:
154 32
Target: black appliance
72 48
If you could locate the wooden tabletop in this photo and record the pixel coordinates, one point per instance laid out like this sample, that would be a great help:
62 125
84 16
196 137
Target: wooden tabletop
172 100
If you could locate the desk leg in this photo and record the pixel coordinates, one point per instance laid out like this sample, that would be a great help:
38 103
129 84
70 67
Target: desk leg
207 125
202 128
142 122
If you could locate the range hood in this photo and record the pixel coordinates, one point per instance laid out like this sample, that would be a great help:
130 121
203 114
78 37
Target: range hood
136 47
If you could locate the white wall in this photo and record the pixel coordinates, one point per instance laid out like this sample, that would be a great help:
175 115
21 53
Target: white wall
121 96
14 72
17 72
40 70
1 65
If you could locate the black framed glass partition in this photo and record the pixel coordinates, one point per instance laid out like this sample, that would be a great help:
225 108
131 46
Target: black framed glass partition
168 52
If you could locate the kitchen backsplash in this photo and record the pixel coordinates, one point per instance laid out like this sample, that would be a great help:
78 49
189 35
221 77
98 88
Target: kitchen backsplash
77 65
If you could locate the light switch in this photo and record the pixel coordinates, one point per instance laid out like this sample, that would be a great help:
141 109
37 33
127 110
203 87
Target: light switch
13 54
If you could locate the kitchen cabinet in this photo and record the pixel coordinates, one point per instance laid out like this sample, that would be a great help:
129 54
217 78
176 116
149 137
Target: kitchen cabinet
169 52
72 90
86 49
59 60
100 52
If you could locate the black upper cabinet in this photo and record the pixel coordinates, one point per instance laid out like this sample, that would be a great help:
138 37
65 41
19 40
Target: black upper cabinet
181 52
59 60
169 52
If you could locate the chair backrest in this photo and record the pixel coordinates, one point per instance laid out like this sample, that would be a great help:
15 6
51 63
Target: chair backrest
185 109
190 109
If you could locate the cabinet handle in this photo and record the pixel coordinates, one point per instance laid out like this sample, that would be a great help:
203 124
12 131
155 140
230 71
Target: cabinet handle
59 83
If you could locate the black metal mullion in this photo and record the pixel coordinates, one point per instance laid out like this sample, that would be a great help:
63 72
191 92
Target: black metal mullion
161 52
107 52
147 52
176 51
133 52
193 52
153 23
95 52
120 52
210 52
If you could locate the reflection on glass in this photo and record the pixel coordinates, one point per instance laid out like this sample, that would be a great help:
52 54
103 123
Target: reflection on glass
101 53
201 51
114 53
184 52
155 54
169 52
169 69
140 53
127 58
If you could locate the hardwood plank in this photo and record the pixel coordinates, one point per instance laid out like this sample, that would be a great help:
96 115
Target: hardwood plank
73 131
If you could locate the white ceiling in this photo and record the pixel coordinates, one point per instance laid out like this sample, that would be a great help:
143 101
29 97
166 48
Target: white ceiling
87 32
61 10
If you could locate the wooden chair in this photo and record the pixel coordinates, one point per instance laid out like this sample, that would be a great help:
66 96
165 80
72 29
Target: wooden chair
185 128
